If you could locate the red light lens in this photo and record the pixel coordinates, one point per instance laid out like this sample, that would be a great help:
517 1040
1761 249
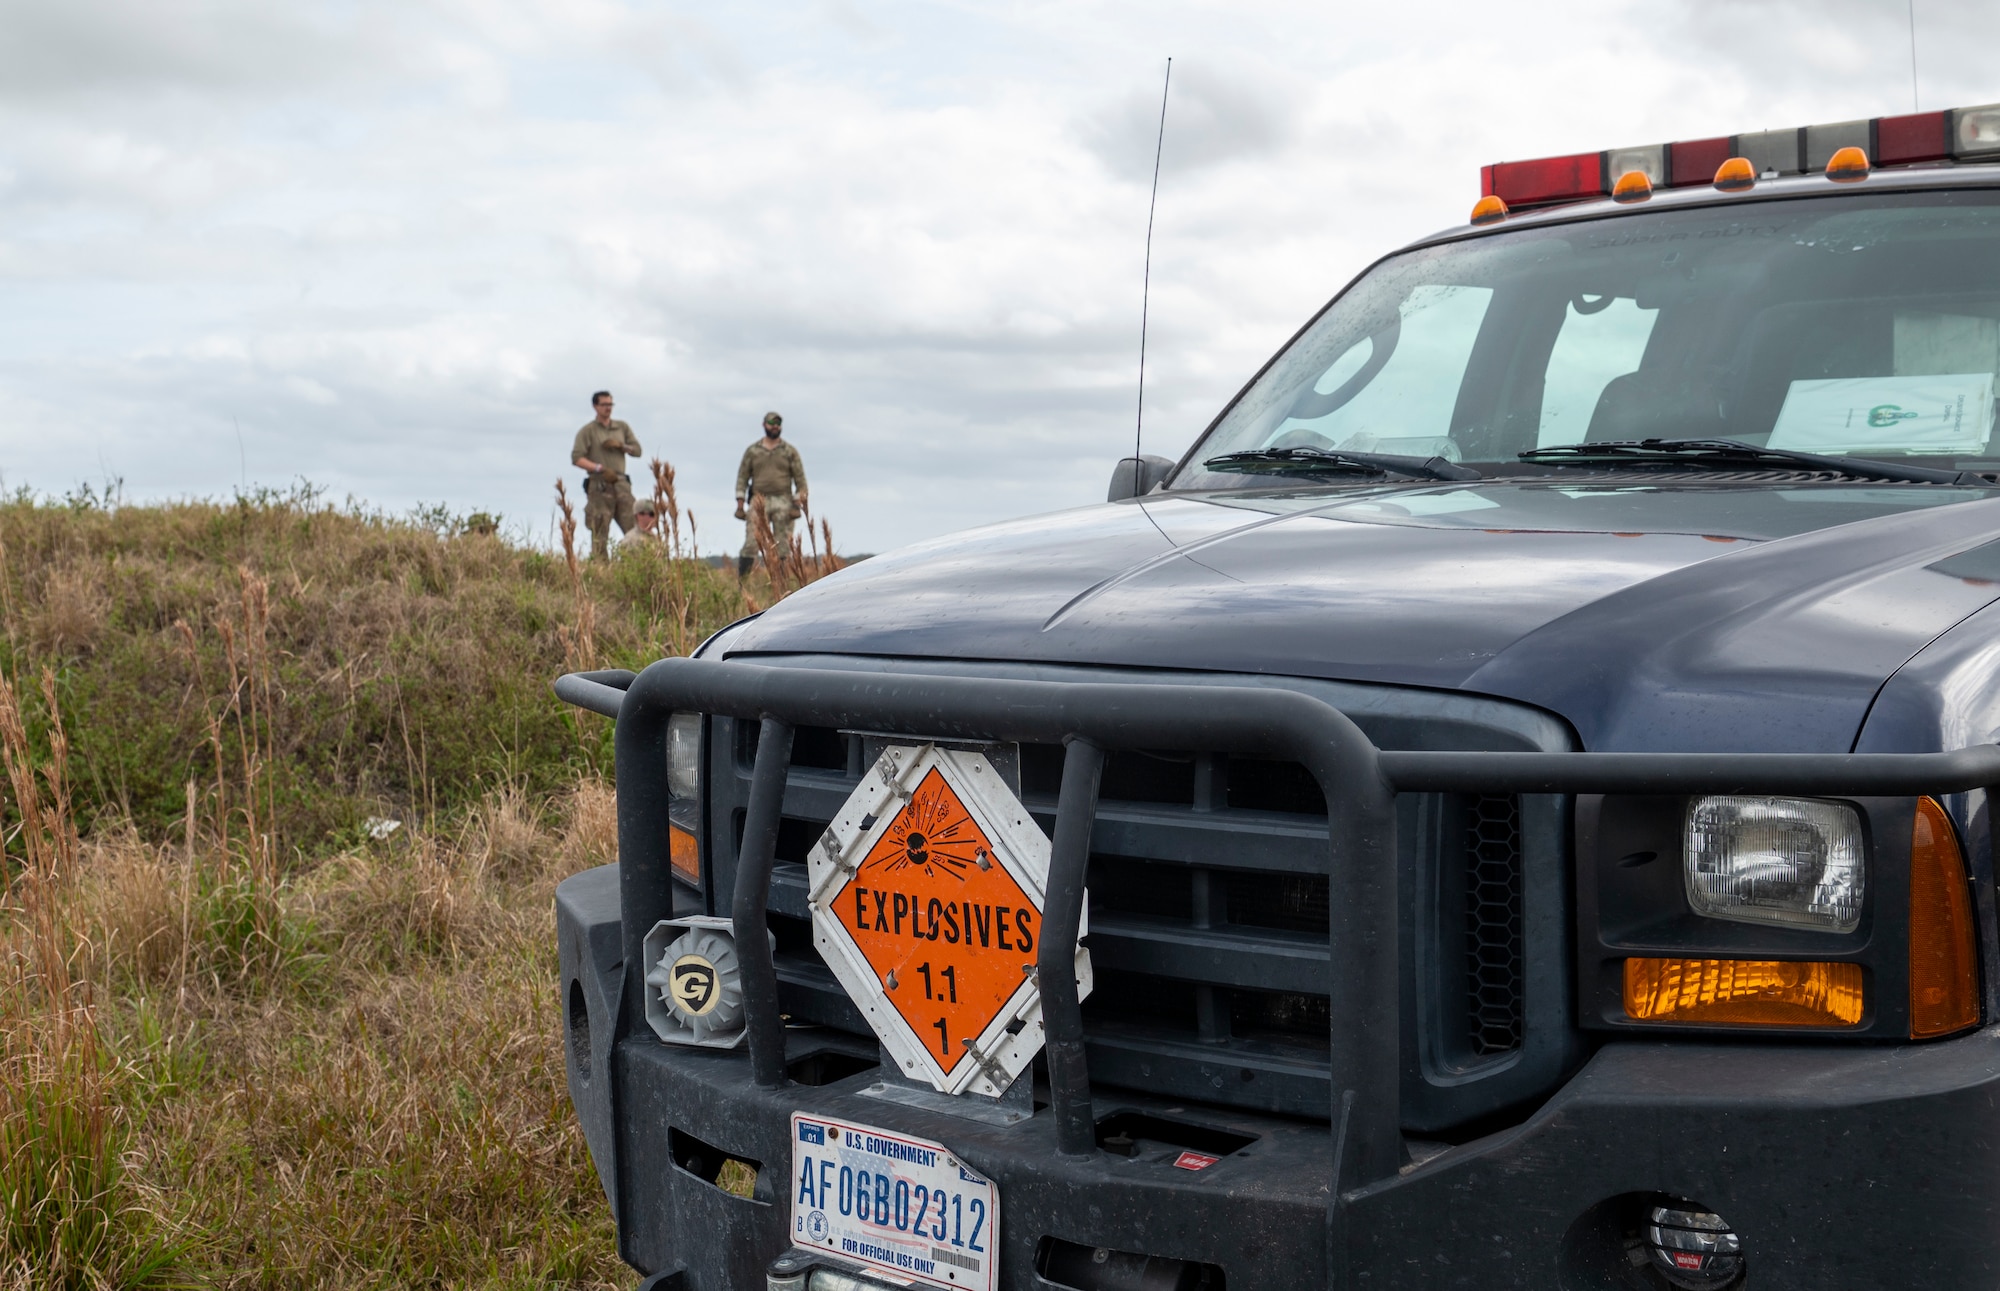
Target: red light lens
1899 141
1697 160
1549 179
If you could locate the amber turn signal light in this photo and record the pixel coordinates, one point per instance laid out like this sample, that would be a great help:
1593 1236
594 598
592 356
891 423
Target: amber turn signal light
1944 970
1488 209
1743 992
684 854
1847 164
1735 174
1632 186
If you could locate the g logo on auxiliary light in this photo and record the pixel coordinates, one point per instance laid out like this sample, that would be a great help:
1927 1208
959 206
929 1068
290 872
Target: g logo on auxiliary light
694 984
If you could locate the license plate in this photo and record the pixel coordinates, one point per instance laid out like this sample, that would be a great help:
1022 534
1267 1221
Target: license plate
907 1207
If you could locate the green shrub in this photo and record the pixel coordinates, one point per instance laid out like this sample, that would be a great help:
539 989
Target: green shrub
400 667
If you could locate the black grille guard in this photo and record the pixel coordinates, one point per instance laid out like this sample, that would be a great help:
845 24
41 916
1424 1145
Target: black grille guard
1359 780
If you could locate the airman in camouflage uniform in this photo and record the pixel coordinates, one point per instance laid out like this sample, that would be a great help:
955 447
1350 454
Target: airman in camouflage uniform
771 469
647 516
601 448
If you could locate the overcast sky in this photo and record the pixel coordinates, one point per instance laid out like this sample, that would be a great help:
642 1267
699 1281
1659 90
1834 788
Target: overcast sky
391 246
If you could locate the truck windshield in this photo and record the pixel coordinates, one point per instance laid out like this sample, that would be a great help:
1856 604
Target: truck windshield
1864 325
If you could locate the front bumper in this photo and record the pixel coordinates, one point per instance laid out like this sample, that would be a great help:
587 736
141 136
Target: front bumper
1838 1166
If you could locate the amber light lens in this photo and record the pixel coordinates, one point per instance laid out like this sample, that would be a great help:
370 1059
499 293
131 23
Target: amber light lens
684 854
1849 163
1743 992
1736 173
1944 974
1632 186
1488 209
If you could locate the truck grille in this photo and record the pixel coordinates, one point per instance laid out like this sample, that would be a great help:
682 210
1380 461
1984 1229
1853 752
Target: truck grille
1495 1010
1208 921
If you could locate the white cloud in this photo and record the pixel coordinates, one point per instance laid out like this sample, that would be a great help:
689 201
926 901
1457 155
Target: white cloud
395 246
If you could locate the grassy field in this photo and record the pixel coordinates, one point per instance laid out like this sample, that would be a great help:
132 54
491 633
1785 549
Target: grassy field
253 1034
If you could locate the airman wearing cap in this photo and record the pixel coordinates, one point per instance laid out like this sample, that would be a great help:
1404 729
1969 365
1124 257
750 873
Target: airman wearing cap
645 514
771 469
601 448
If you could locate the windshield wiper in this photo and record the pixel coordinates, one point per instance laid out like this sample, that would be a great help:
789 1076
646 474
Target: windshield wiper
1724 454
1320 461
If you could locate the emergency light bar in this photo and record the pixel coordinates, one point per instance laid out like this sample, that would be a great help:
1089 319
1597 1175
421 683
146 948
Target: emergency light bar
1955 135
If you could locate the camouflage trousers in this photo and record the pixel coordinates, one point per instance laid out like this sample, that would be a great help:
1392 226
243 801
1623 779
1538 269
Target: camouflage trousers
781 511
605 500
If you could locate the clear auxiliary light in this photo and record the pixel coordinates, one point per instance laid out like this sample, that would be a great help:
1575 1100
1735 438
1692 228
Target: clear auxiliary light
1791 862
684 756
1692 1247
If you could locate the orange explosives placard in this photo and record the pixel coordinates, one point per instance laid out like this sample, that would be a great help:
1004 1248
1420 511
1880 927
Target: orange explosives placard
926 897
948 931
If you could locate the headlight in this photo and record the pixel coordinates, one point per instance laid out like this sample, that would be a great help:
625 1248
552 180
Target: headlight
684 795
1788 861
684 757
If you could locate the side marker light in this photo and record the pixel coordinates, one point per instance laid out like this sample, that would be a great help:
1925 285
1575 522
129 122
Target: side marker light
1848 165
1944 968
1743 992
1735 175
1488 209
684 854
1632 186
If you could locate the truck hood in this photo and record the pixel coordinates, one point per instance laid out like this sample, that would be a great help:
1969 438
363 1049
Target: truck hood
1650 616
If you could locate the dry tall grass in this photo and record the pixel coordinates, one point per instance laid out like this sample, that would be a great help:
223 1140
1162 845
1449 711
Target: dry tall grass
792 563
249 1036
65 1217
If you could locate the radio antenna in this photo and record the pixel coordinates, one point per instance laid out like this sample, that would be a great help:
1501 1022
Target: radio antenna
1913 55
1146 288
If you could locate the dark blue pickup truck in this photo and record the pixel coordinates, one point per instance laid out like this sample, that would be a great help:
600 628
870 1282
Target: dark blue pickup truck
1509 808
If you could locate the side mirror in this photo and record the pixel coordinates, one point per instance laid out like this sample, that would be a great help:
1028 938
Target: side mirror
1135 477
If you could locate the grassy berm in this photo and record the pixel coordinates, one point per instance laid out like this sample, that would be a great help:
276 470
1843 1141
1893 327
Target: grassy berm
252 1034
